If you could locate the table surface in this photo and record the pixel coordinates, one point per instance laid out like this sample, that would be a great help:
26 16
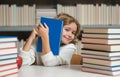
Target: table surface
57 71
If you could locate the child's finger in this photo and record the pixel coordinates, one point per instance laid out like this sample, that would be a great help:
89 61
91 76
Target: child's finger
35 30
40 26
45 25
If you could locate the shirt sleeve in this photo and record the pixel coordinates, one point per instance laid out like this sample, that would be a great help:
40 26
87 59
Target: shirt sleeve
28 57
64 56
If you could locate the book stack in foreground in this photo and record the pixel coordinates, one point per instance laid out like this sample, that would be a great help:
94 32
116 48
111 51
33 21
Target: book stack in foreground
8 56
101 50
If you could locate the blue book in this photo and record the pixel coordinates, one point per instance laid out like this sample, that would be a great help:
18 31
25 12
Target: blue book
55 33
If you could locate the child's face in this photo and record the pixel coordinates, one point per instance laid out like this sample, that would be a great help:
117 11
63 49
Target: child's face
69 33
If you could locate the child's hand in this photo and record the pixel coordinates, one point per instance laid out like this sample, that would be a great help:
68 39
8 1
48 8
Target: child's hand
33 34
42 30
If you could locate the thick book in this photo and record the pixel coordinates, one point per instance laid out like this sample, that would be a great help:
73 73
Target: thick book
101 57
5 51
8 72
100 35
103 67
104 47
4 45
101 61
8 66
102 30
3 62
55 33
101 40
101 71
8 56
100 52
13 75
8 38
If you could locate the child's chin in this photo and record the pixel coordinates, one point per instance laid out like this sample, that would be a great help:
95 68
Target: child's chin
66 43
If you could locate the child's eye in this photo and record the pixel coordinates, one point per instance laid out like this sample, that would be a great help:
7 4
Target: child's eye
73 33
67 29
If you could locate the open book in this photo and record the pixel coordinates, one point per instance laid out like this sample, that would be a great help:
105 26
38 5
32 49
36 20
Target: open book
55 33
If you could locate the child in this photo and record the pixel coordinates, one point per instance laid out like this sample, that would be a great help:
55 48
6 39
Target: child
71 30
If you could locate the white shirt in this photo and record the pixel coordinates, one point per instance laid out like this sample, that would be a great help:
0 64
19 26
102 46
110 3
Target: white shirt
48 59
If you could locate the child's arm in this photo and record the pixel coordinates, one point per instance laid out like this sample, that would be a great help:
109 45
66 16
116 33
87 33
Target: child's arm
27 52
29 41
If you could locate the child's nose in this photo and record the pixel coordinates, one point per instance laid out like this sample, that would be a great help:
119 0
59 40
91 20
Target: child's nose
70 34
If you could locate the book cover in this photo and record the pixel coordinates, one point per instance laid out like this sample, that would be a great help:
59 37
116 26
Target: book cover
55 32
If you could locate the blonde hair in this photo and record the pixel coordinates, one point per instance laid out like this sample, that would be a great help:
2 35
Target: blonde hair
68 20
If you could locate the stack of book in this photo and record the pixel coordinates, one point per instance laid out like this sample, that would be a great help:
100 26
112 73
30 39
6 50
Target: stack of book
8 56
101 50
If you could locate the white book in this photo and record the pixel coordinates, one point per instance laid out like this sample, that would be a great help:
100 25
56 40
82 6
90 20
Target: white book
101 30
8 56
78 12
100 53
92 70
109 68
110 14
101 57
8 38
117 13
110 36
97 14
8 51
104 47
7 45
13 75
59 8
101 61
25 14
1 16
7 61
100 41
